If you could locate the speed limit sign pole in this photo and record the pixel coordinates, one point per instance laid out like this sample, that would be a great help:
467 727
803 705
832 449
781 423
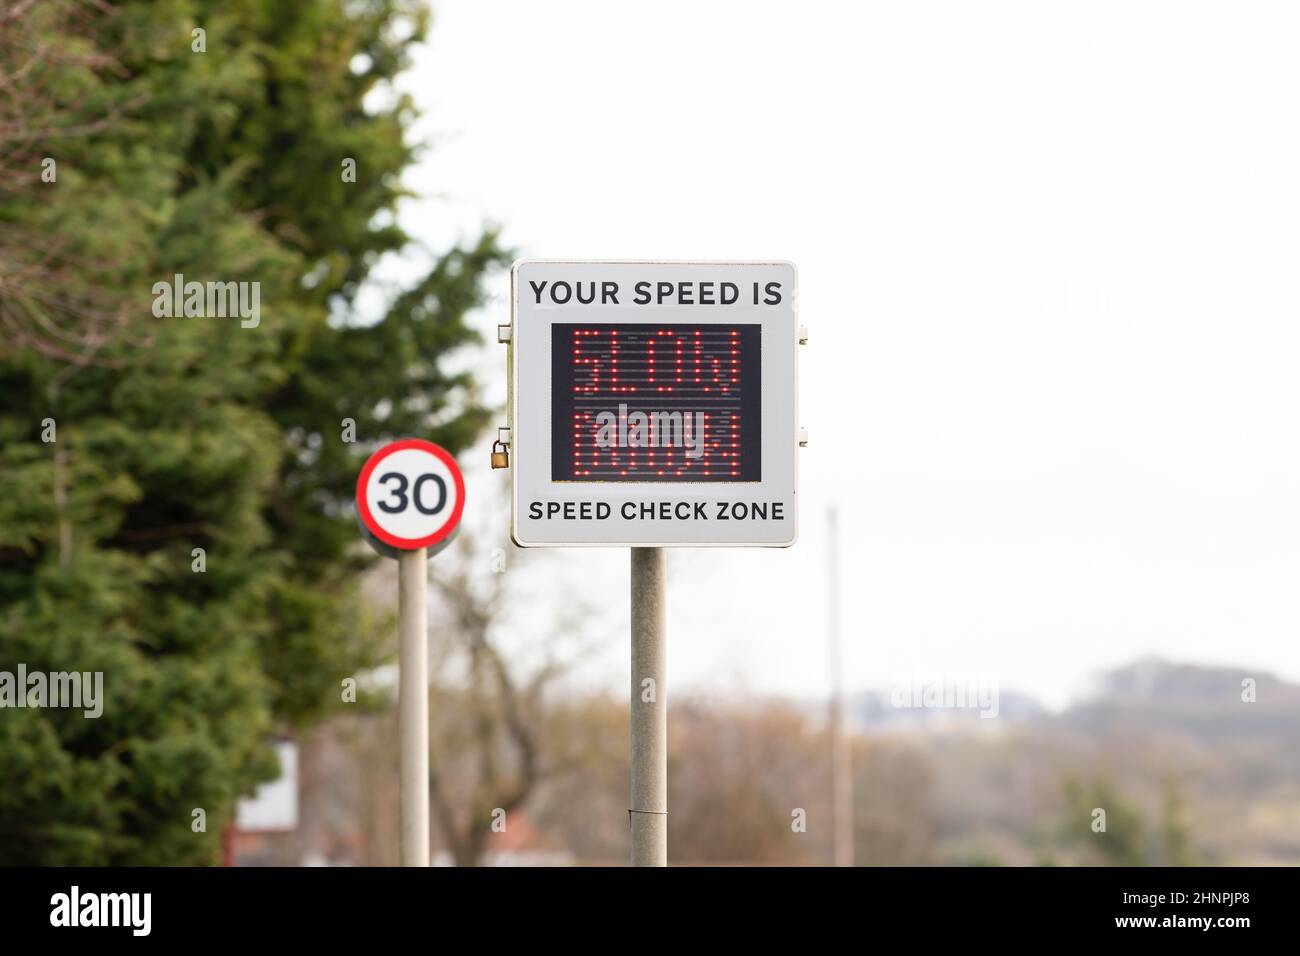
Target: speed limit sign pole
413 704
410 496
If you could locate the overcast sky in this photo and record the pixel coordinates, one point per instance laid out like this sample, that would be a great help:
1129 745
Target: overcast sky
1048 255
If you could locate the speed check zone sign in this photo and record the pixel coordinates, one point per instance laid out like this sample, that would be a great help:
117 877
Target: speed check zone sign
410 494
654 403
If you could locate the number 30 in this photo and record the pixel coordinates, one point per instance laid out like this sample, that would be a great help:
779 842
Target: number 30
399 493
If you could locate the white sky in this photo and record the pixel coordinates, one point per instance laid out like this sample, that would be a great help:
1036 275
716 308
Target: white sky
1048 255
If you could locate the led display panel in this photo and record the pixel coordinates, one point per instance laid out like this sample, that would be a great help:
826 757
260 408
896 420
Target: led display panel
663 402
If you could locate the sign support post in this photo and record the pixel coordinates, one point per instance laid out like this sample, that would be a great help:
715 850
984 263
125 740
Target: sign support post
413 704
648 813
410 497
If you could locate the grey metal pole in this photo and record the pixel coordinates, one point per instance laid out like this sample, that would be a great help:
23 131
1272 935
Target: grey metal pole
648 810
413 704
841 754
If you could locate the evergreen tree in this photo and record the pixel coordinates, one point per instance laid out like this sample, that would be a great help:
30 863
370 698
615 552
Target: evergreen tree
171 434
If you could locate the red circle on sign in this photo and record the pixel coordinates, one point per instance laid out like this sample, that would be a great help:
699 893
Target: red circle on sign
363 508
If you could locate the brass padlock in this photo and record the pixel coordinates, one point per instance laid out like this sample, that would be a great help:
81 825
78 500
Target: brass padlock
500 459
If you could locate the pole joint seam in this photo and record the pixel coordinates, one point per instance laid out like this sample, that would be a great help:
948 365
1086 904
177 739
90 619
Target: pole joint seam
662 813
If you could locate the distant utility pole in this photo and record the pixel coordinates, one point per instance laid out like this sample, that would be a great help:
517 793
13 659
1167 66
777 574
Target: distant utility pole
841 754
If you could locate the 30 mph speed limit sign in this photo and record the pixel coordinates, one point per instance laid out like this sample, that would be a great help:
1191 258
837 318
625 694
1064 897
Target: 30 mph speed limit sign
410 494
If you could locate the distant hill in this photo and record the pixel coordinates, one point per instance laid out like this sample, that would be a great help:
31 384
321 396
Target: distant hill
1202 702
1176 746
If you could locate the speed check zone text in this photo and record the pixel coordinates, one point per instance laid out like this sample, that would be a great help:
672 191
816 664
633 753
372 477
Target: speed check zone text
654 403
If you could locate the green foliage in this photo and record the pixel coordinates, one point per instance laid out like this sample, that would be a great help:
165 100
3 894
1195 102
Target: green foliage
183 433
1128 840
1123 842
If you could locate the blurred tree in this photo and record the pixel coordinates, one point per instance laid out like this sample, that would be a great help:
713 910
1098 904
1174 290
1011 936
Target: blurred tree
58 285
491 737
746 784
1127 840
225 163
1122 842
894 822
582 801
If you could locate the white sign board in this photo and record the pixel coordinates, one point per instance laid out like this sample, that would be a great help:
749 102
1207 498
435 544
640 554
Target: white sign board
654 403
